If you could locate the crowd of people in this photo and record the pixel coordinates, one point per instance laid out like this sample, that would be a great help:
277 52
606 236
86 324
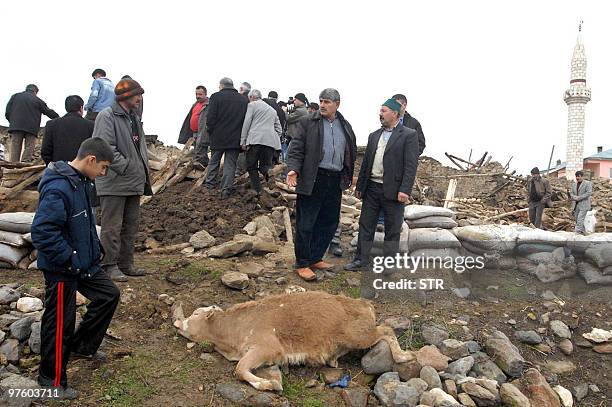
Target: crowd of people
103 157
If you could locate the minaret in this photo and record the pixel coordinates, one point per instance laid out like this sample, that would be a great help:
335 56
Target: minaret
576 97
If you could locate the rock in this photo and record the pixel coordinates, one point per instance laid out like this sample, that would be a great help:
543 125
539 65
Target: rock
331 374
430 376
250 228
433 334
229 249
29 304
378 360
438 397
16 381
529 337
34 341
581 391
10 349
399 324
564 394
511 396
166 299
593 388
598 335
430 356
264 221
560 366
21 329
451 387
208 358
2 336
511 322
548 295
251 269
407 370
355 397
534 386
8 295
566 346
606 348
391 392
583 343
504 354
473 346
202 240
233 279
560 329
479 394
542 347
454 349
231 391
419 384
461 366
466 400
265 234
463 292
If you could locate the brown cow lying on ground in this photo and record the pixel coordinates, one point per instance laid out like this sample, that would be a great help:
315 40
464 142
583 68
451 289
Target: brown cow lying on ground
310 327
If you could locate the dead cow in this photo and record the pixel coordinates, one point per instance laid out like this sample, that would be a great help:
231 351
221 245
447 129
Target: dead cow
310 327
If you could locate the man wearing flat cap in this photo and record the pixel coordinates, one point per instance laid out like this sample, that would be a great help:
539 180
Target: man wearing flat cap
385 181
321 160
125 182
538 196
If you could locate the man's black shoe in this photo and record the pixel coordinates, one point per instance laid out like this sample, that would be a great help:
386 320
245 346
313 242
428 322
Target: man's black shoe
98 356
356 265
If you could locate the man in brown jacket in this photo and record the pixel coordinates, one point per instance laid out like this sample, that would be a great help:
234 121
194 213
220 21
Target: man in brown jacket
538 196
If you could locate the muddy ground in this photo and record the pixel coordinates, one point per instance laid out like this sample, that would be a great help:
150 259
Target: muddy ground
150 365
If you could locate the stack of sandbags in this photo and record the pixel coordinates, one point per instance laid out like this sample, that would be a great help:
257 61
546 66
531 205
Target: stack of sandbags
433 242
422 216
490 239
597 267
16 250
543 254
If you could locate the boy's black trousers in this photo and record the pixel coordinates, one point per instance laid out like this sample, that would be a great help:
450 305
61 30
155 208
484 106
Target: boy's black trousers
58 338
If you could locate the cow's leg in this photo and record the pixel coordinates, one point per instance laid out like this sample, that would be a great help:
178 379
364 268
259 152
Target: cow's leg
254 358
386 334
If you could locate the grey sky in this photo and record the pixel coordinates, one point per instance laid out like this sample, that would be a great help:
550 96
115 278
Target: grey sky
478 74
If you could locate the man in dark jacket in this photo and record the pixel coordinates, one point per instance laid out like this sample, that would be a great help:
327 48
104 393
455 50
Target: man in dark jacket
127 179
408 121
194 127
23 112
538 196
272 100
226 111
321 160
69 253
385 181
63 136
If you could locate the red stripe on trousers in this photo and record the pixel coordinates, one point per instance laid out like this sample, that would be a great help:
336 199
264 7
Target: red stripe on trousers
59 334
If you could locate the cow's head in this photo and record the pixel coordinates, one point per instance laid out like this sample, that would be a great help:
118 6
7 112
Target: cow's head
194 327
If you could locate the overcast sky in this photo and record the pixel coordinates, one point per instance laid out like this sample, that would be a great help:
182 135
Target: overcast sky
477 74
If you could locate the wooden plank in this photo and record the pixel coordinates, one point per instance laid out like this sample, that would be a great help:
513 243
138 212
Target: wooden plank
22 185
24 170
450 193
288 229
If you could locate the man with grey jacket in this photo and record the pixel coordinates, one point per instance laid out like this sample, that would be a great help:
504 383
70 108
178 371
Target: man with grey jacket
126 181
260 138
581 200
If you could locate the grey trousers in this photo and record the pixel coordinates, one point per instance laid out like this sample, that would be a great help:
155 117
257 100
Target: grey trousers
120 218
580 215
201 149
536 209
229 169
17 138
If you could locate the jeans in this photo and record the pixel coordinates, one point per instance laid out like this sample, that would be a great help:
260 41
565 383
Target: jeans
316 218
16 141
284 149
258 160
229 169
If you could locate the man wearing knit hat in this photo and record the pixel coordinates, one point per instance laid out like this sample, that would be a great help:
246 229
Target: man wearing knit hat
321 161
126 181
385 181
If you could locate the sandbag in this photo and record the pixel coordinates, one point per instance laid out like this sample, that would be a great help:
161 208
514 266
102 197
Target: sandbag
12 255
432 222
498 261
18 222
413 212
12 238
542 237
607 271
601 255
578 243
557 255
28 237
592 275
488 238
432 238
590 221
531 248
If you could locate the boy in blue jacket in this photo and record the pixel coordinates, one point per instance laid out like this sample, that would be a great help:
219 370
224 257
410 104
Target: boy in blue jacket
69 254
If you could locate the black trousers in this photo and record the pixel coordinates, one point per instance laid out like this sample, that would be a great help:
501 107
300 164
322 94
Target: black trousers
372 204
316 218
58 338
91 115
120 218
258 160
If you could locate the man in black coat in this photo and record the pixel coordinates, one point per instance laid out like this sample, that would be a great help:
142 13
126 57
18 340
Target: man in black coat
23 112
385 181
63 136
226 111
272 100
320 161
408 121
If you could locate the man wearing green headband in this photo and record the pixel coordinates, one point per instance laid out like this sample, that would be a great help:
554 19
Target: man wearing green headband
385 181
